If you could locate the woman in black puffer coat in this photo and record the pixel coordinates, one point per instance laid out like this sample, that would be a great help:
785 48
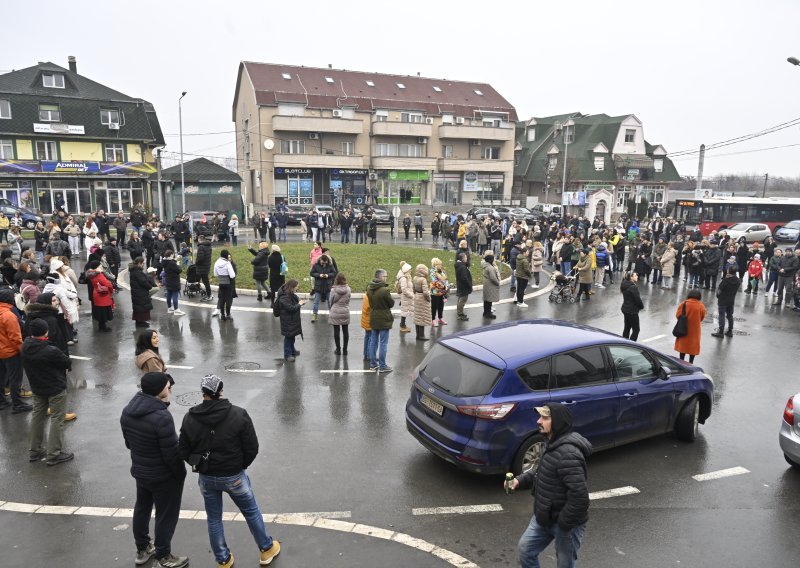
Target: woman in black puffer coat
276 279
261 269
141 284
289 306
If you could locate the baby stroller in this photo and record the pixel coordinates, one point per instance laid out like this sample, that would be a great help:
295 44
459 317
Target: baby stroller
564 289
192 286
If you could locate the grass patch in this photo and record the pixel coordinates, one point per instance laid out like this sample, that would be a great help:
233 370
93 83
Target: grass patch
358 262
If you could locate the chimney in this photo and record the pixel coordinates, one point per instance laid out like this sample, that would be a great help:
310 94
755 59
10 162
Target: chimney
330 66
73 65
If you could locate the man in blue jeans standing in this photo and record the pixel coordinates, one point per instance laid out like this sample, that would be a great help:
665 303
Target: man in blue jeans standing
380 320
560 492
219 441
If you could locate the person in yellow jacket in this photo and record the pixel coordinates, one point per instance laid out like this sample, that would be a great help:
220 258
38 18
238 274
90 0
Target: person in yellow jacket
365 325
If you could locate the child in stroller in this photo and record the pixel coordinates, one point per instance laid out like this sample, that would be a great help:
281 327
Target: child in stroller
192 286
564 289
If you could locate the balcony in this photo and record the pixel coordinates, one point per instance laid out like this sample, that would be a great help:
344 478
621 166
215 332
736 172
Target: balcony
476 132
318 161
456 165
316 124
401 129
398 163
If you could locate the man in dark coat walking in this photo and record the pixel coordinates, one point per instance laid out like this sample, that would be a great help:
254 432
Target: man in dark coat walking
225 435
559 489
202 265
463 285
149 432
726 294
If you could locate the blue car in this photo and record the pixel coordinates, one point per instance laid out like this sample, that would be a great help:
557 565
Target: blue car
473 396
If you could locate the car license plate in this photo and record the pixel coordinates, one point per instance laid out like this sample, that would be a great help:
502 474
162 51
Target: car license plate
433 405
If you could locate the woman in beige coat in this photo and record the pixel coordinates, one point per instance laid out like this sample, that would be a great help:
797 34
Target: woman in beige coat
405 287
422 301
668 265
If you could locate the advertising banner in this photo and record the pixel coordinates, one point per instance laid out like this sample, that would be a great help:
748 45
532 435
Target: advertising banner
20 166
71 167
575 198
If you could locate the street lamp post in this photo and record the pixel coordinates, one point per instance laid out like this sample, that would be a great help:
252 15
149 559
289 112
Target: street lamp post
180 134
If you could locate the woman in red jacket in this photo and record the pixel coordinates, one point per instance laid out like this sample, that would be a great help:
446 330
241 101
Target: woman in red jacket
102 296
689 344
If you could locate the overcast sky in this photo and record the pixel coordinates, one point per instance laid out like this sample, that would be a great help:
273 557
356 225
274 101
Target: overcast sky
692 71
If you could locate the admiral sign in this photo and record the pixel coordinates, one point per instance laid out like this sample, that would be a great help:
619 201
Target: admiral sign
71 167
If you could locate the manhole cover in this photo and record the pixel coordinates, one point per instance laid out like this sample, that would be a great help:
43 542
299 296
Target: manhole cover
737 332
189 398
716 317
243 366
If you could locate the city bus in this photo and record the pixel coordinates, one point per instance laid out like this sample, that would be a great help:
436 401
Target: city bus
717 213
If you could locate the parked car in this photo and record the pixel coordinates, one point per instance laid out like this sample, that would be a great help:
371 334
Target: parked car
789 437
29 218
518 213
201 221
382 215
545 210
789 232
752 232
473 396
295 213
481 213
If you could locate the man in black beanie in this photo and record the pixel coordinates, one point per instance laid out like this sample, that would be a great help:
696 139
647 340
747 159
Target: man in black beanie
149 432
46 366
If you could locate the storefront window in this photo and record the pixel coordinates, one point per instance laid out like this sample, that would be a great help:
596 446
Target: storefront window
74 195
447 188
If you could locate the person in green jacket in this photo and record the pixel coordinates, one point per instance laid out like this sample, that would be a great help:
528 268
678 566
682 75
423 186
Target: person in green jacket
380 320
523 274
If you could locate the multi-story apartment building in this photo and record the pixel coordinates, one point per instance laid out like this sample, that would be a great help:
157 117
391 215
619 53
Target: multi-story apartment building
592 164
310 135
69 142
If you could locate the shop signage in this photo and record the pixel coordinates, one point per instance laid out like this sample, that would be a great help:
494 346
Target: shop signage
291 171
8 184
191 189
597 187
471 181
349 172
225 189
76 167
687 203
58 128
576 198
408 175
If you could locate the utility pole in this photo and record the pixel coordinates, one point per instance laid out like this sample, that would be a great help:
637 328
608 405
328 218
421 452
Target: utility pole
700 167
766 179
158 186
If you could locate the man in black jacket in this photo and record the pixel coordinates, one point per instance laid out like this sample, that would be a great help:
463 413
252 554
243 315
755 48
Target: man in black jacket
790 262
46 366
202 265
149 432
219 439
726 294
559 489
463 285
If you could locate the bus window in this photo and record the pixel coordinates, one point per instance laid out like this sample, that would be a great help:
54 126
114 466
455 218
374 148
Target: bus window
738 213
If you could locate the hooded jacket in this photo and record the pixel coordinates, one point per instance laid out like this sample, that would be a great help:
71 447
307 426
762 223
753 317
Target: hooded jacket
202 261
141 284
561 494
56 324
381 304
234 444
726 292
172 273
340 305
289 306
260 263
148 360
45 366
149 432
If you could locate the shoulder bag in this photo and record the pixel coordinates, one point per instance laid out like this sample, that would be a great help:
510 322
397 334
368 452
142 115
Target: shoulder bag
681 328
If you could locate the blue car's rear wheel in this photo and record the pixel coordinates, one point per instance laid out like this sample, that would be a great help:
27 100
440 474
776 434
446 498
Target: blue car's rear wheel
529 454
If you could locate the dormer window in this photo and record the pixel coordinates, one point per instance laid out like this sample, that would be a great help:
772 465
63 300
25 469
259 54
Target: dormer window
599 163
109 116
658 165
54 80
630 135
49 113
329 80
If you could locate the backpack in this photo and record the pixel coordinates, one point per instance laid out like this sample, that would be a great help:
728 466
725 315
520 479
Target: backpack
276 308
284 266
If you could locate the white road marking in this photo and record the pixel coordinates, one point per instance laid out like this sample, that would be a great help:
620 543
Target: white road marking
171 366
731 471
249 370
323 520
618 492
457 510
342 371
79 358
654 338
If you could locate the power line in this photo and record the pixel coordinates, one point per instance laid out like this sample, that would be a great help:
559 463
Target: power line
741 152
738 139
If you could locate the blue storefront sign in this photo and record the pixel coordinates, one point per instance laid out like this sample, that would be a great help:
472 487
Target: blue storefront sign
72 167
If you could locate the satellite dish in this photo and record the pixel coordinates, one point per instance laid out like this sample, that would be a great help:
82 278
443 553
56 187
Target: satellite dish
269 144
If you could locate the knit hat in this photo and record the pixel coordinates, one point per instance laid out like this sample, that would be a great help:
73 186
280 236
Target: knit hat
45 298
211 385
405 268
757 256
154 382
276 248
38 327
55 264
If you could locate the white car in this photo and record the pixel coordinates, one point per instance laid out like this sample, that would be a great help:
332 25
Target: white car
790 432
752 232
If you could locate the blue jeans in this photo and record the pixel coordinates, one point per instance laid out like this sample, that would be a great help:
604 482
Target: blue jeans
241 491
367 341
172 298
345 236
536 538
288 347
566 266
282 233
378 344
725 313
317 298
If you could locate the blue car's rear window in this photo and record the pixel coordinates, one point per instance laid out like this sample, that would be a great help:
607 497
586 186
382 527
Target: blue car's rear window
457 374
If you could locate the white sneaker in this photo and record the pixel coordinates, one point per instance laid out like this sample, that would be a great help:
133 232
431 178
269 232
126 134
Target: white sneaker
170 311
178 313
535 286
600 286
215 314
522 305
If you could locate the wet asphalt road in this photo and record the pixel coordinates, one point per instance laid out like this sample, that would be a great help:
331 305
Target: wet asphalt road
337 443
